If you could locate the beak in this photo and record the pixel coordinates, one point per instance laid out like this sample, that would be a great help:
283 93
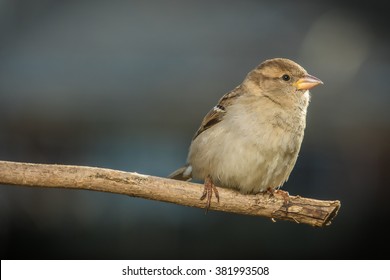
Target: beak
307 82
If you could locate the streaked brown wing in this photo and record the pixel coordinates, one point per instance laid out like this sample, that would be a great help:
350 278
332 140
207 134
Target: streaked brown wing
217 113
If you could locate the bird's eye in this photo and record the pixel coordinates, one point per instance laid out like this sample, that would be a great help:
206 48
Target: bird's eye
286 77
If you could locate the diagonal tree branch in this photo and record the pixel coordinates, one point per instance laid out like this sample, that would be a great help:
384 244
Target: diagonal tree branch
301 210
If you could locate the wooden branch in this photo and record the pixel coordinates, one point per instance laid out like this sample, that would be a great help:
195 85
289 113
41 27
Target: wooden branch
301 210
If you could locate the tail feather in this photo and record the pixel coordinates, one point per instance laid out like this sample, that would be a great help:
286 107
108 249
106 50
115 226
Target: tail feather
183 173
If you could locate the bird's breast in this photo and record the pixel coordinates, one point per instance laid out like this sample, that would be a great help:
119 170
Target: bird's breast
249 150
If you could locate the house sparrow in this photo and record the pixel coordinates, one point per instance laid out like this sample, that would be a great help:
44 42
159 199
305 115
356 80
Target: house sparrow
251 139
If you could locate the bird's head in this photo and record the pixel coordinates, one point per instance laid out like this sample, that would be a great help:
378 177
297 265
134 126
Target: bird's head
281 79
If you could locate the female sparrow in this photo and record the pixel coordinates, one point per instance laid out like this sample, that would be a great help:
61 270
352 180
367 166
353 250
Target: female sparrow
251 139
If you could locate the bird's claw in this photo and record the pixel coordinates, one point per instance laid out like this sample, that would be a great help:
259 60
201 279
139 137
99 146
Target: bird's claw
208 190
285 195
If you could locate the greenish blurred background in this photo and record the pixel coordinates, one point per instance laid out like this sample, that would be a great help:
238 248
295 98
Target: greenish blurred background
125 84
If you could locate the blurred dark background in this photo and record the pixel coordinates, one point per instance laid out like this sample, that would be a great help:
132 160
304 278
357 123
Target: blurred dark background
125 84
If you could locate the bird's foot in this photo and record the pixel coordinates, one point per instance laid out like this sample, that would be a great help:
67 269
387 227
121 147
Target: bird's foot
285 195
209 188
